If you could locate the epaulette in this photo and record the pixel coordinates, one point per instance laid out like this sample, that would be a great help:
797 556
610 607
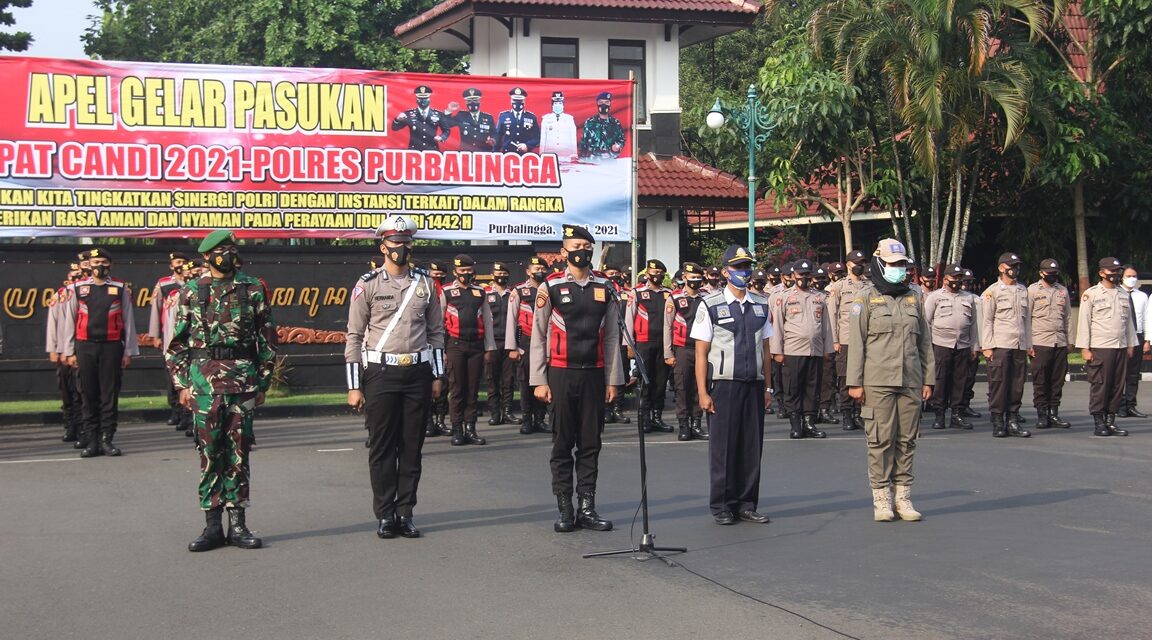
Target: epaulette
560 275
599 274
165 279
116 283
370 276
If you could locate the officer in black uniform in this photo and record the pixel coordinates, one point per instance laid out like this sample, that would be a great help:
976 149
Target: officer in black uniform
518 341
517 130
438 417
645 321
575 346
477 128
427 127
501 370
680 351
468 345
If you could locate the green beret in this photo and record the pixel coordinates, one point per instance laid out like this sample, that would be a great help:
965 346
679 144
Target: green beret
215 239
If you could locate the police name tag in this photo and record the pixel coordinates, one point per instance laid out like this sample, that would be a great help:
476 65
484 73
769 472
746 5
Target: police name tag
726 320
758 310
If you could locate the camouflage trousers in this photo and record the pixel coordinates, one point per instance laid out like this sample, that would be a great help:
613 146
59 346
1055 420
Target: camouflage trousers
224 438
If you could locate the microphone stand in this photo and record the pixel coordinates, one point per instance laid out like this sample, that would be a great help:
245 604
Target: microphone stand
647 540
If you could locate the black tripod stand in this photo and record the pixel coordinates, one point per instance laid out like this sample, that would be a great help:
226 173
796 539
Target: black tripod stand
647 540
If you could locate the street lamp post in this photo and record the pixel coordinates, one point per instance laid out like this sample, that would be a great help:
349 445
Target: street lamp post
753 121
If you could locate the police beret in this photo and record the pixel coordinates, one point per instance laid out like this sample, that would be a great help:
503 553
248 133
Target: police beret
463 260
423 91
1110 263
578 232
537 260
736 254
1049 265
559 266
176 255
855 256
74 266
82 256
472 94
802 267
557 96
678 275
1009 258
954 270
692 267
499 266
98 252
215 239
518 94
604 95
397 227
435 266
656 264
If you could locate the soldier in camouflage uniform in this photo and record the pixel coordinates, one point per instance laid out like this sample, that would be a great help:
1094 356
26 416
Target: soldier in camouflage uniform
603 135
221 358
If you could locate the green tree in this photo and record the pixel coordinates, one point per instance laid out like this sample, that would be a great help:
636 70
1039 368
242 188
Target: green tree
353 34
19 40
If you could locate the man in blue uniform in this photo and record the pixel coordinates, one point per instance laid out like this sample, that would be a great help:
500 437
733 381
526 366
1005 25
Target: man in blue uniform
476 127
427 127
517 130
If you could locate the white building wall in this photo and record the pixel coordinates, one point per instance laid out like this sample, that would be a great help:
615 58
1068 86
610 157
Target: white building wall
663 238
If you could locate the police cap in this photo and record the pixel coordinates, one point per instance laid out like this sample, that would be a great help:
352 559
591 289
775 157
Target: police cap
802 267
736 254
759 274
837 267
856 256
397 227
1009 258
604 95
1110 263
714 272
692 267
1048 265
463 260
954 270
473 95
423 91
775 270
557 96
518 94
891 250
578 232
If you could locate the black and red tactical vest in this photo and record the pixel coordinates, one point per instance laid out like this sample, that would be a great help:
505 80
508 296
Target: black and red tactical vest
648 321
577 322
498 303
527 293
99 316
684 305
463 312
167 285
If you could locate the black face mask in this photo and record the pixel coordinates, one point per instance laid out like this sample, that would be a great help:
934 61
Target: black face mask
538 277
857 270
473 107
715 282
177 270
500 280
758 284
518 106
656 280
1010 272
1114 278
580 258
224 262
465 278
952 285
802 282
399 255
1051 278
423 102
604 108
693 284
101 271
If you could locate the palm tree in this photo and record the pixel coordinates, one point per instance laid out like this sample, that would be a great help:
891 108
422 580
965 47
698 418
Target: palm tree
951 68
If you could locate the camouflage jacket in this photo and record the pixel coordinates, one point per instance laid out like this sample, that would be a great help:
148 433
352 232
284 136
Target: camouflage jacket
226 344
599 136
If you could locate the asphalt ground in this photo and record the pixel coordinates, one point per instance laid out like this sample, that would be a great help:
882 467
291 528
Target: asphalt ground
1040 538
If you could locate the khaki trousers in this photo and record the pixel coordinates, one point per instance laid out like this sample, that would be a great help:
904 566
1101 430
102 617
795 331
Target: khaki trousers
891 424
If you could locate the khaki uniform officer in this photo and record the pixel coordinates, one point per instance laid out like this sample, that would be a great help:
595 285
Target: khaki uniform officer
889 367
1051 315
1106 336
801 335
953 316
1006 337
840 296
395 367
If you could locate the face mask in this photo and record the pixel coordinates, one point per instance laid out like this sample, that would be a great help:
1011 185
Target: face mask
557 108
538 277
100 271
465 278
739 277
1010 272
1130 282
952 284
399 255
423 102
474 107
857 270
580 258
604 108
655 280
224 262
518 106
1114 278
803 282
500 280
894 275
693 284
1050 277
177 270
759 284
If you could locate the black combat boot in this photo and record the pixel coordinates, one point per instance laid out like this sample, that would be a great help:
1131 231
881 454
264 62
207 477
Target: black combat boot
699 431
587 517
544 421
856 419
646 421
1110 422
1101 430
566 523
958 421
69 434
1055 420
430 430
497 417
1014 427
527 425
187 423
998 428
470 434
238 533
809 424
174 418
509 417
109 448
685 431
82 441
658 423
1042 421
797 427
458 439
849 414
92 446
1019 418
212 537
826 417
967 412
616 414
938 421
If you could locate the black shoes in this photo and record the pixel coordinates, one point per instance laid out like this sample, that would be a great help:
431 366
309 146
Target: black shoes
797 431
510 417
497 418
697 427
724 518
566 523
109 448
615 416
1110 422
958 421
967 412
750 515
685 431
1013 424
527 425
658 424
1054 419
998 428
174 419
470 436
238 533
938 422
408 528
825 417
458 439
213 535
1131 412
389 528
1101 430
1042 421
810 430
586 516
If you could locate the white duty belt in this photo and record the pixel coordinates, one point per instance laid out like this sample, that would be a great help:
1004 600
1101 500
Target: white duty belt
399 359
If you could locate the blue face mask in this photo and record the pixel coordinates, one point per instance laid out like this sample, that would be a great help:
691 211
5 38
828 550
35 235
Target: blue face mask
557 107
894 275
739 277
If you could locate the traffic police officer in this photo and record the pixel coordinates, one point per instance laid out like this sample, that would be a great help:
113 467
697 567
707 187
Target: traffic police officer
476 127
395 365
501 370
680 351
840 296
645 320
167 286
575 346
1051 311
66 379
952 315
801 335
821 280
889 368
603 136
99 341
517 130
518 342
221 357
469 344
1006 337
427 127
732 331
1106 337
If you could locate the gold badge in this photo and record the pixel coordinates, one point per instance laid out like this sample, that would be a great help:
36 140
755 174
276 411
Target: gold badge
541 300
421 292
476 293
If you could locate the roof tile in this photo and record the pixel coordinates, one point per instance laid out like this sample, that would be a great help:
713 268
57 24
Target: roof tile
680 176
